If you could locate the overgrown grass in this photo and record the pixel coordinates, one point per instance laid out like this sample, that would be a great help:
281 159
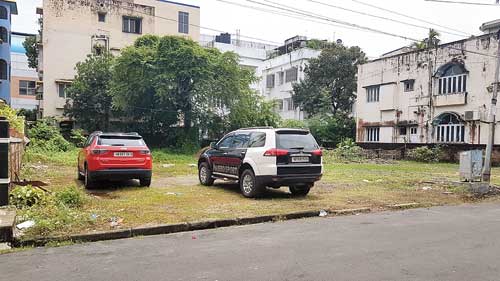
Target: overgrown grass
176 196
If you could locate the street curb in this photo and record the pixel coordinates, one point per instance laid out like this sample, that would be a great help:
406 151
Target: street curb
176 228
407 206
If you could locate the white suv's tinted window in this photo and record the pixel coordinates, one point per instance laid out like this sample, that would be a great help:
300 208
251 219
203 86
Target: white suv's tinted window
257 140
295 140
226 142
240 141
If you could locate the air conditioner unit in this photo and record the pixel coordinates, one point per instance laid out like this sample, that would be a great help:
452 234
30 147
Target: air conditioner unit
471 115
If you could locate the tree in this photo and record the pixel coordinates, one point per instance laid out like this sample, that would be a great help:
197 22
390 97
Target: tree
432 41
252 110
162 82
30 44
330 81
90 102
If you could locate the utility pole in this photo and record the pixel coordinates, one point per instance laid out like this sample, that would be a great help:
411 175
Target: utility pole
492 119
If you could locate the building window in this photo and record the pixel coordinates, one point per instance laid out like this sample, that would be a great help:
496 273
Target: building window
3 70
409 85
289 104
4 15
281 78
291 74
413 130
61 90
101 16
270 81
279 105
183 22
4 35
452 79
373 134
132 25
449 128
372 94
27 88
402 131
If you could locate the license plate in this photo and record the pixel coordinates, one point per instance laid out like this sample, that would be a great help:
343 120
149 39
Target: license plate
123 154
300 159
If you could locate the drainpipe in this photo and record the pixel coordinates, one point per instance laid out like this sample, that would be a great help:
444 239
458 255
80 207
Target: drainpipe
4 161
491 119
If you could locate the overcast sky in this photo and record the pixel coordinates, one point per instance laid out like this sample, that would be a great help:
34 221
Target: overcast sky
277 28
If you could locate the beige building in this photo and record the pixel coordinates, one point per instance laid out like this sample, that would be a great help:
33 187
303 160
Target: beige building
73 29
437 95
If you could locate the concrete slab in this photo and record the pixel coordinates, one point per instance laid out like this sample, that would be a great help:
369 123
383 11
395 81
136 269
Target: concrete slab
7 220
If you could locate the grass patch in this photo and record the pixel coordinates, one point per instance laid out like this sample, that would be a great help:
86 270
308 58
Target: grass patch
175 195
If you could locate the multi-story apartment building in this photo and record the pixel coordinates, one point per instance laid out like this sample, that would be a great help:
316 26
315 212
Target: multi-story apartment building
7 9
429 96
252 54
73 29
285 65
24 78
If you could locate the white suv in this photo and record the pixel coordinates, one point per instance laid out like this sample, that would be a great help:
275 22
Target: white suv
264 157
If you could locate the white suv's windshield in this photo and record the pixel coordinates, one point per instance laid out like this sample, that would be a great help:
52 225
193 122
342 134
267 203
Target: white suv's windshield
295 140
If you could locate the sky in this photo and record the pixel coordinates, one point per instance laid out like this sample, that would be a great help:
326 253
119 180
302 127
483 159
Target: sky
276 28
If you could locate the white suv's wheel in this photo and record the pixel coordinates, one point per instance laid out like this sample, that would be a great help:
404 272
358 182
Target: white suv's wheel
248 184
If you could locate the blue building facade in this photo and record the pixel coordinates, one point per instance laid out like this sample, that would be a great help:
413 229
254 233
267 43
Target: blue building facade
7 9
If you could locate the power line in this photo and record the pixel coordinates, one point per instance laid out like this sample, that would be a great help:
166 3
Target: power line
313 15
318 16
194 25
290 15
465 3
405 15
381 17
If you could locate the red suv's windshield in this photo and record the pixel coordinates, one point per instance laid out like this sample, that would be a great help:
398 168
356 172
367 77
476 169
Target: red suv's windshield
120 141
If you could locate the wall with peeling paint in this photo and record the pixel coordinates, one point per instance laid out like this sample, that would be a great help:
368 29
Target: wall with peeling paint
69 27
421 106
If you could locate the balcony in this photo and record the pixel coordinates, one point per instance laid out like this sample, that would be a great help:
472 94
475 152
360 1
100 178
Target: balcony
450 99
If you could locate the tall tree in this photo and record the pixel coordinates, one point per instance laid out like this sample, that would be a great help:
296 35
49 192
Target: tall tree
90 98
162 81
330 81
432 41
30 44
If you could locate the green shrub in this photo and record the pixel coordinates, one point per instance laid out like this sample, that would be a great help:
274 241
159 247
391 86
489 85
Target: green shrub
77 138
329 130
45 136
347 151
27 196
16 122
425 154
291 123
70 197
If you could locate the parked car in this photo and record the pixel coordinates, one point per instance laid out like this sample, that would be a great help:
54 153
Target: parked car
264 157
114 156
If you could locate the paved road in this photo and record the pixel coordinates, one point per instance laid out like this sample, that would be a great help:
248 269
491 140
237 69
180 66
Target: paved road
444 243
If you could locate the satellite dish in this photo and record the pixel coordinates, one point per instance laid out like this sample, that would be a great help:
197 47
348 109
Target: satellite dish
339 41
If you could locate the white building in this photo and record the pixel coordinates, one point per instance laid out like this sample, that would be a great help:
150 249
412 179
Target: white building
71 30
437 95
23 78
252 54
284 67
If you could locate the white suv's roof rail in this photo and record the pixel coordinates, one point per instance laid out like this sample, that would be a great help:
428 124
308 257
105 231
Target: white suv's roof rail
255 128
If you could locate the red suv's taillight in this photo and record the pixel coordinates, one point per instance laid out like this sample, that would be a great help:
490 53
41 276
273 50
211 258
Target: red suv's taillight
317 152
98 151
276 152
145 152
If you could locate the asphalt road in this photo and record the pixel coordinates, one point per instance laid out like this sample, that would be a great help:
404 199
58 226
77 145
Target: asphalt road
443 243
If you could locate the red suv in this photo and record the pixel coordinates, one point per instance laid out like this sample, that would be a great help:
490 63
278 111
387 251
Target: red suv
114 156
